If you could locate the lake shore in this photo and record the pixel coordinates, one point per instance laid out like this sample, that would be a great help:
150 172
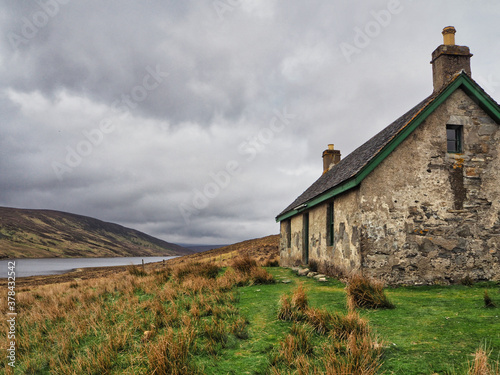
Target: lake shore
259 249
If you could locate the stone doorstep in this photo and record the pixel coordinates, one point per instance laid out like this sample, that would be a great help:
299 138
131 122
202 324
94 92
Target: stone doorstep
303 271
306 272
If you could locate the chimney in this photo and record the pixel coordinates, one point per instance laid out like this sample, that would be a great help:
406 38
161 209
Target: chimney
331 157
449 59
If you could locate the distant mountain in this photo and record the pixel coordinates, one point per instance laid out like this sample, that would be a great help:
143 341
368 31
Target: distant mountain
47 234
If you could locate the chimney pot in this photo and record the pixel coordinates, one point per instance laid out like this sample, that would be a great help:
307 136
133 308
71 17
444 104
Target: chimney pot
449 35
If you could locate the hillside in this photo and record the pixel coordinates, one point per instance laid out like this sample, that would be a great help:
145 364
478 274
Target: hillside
260 249
45 234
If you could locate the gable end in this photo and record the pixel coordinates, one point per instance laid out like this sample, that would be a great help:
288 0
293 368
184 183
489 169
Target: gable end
461 80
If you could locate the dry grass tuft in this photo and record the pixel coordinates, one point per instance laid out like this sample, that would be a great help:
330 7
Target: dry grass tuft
171 353
363 292
358 355
271 262
343 326
320 320
206 270
244 264
148 335
260 276
294 307
136 271
481 365
285 311
299 299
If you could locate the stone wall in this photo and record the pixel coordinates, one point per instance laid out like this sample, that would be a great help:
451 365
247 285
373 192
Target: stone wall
345 252
430 216
317 232
291 254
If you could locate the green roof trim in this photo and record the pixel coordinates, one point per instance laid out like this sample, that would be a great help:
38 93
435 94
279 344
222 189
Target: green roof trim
462 80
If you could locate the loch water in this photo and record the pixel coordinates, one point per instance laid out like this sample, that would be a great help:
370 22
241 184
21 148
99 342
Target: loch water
55 266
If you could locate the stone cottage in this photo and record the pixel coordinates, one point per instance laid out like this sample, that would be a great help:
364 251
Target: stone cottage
420 201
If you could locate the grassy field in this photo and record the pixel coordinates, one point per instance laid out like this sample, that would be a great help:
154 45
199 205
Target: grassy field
206 320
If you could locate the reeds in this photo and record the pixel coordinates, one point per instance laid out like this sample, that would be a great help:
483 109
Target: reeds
136 271
170 355
481 365
205 270
244 264
363 292
293 307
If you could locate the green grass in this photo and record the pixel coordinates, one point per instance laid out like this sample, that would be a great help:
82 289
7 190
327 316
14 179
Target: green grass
99 325
433 329
436 328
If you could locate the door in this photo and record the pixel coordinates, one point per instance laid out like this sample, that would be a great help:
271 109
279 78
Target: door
305 239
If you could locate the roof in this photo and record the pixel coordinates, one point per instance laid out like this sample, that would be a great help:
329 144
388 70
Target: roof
350 171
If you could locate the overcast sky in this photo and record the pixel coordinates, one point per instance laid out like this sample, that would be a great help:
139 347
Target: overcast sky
199 121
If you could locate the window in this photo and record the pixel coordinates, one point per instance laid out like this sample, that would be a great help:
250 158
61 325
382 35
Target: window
305 238
288 232
454 138
330 220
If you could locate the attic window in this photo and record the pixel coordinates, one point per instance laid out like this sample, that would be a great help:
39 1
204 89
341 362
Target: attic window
454 138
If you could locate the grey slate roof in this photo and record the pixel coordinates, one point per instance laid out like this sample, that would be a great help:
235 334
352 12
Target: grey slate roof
353 163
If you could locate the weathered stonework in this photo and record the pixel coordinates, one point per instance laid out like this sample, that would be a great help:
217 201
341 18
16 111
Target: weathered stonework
423 215
431 216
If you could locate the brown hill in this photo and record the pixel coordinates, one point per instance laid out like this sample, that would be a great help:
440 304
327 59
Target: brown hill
48 234
260 249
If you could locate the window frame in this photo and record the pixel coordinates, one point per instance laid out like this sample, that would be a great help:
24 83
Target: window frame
330 224
288 233
456 141
305 238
